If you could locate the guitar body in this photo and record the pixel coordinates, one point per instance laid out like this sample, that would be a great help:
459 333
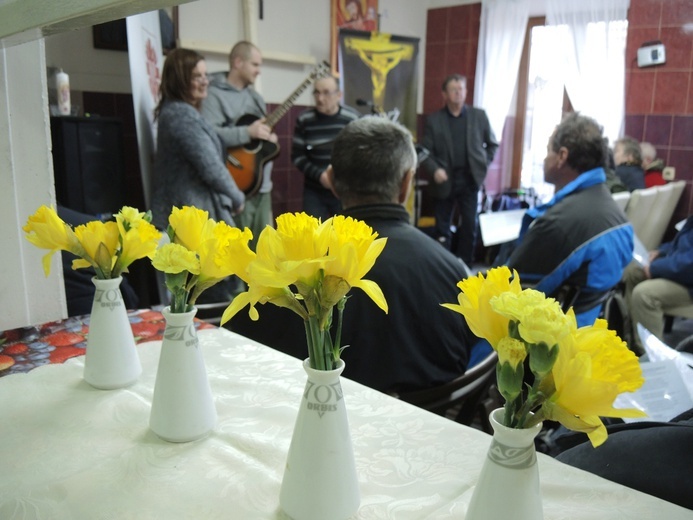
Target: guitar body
246 163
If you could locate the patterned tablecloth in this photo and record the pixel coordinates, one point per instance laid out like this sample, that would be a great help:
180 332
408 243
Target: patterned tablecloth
71 452
26 348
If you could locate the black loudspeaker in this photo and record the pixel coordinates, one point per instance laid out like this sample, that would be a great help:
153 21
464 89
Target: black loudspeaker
88 164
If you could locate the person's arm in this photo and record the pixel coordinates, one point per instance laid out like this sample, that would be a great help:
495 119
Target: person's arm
677 264
202 153
432 165
300 156
490 141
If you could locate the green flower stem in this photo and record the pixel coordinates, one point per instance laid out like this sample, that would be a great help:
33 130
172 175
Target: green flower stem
314 338
534 398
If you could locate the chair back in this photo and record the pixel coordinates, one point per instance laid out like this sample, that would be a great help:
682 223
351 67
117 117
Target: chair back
621 198
460 399
650 211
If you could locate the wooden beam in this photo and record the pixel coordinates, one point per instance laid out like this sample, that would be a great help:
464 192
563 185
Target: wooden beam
224 48
27 20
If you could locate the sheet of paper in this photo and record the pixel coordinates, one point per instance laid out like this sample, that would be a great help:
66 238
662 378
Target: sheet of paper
663 396
640 252
498 227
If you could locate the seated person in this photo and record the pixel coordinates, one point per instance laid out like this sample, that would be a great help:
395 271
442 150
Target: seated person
653 166
418 344
652 457
629 163
666 282
580 238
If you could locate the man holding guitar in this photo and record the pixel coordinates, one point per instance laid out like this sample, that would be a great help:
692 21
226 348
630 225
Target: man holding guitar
237 112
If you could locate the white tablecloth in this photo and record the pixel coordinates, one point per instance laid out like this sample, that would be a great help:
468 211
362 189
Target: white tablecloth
68 451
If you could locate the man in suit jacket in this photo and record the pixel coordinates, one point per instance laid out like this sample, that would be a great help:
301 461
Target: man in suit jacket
461 145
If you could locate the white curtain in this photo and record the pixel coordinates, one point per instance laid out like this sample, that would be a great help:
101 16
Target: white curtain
594 51
501 38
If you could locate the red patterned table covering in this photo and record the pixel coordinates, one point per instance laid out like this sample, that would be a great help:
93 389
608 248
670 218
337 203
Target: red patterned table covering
26 348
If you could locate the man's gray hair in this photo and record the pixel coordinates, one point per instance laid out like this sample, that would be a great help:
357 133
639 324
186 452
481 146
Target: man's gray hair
370 158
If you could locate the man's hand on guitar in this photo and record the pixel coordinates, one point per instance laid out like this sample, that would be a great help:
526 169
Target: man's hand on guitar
259 130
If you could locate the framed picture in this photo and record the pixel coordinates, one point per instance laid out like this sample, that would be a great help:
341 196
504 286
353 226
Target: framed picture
359 15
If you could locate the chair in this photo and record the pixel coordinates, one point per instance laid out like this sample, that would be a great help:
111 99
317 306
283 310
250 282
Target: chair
621 198
650 211
463 398
639 210
684 311
667 198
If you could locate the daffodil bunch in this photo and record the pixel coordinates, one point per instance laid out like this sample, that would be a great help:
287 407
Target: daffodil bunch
309 266
577 372
109 247
200 253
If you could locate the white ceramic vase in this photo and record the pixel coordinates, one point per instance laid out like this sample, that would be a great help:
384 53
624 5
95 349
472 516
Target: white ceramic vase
111 358
182 405
508 486
320 476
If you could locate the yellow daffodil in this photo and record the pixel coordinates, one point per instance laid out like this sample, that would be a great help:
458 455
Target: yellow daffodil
474 302
353 250
100 240
45 229
593 367
139 241
309 266
578 373
108 247
200 254
191 226
293 253
222 255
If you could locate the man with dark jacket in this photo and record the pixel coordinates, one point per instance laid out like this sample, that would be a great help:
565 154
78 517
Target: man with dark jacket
461 145
418 344
311 150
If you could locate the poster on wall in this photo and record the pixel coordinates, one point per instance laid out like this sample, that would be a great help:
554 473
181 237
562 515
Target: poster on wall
379 74
146 62
359 15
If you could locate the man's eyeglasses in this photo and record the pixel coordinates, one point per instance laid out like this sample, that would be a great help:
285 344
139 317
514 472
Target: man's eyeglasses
325 93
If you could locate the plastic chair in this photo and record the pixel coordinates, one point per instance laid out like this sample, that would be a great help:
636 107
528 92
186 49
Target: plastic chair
621 198
463 398
639 210
667 198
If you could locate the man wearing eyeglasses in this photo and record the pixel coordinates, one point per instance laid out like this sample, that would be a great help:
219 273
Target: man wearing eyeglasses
315 131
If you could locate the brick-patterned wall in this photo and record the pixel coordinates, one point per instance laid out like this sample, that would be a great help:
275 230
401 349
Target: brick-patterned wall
659 99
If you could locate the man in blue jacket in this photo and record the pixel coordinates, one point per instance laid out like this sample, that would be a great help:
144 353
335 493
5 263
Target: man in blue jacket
580 238
666 282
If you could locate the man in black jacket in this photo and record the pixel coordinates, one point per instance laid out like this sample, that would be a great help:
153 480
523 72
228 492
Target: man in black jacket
418 344
461 145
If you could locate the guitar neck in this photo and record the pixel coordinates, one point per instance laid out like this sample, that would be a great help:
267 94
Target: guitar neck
279 112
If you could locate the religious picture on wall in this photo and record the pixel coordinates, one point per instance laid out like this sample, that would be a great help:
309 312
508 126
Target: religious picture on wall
358 15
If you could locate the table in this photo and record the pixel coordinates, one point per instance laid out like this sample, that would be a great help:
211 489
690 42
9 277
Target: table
71 452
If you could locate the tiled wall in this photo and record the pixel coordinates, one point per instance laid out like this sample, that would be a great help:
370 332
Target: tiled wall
659 99
287 193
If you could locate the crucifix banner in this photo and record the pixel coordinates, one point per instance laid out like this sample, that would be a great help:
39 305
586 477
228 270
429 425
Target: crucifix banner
378 74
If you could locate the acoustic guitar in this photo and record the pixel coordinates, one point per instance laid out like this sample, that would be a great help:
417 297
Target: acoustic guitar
246 163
